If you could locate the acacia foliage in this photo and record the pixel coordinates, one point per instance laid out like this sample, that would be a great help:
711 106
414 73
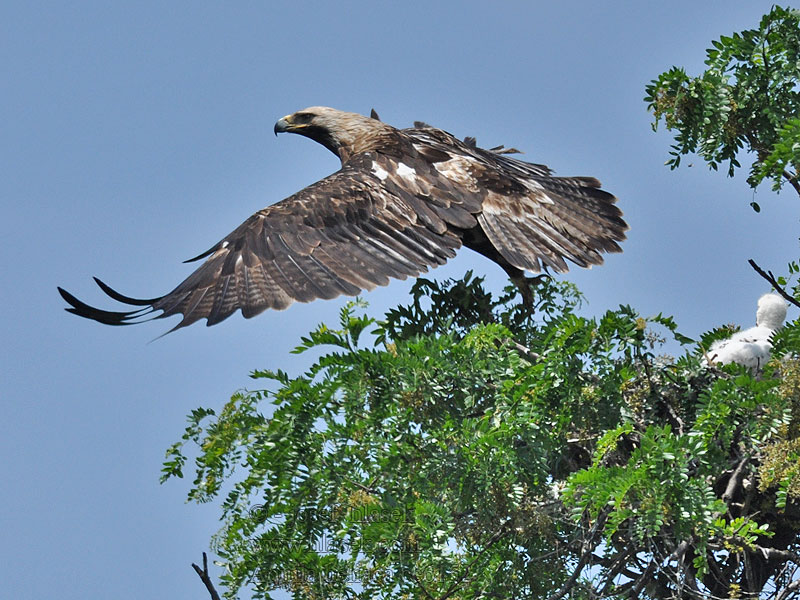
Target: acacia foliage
469 446
748 98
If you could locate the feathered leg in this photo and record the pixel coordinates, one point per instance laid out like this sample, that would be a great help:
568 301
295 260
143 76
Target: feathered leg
525 285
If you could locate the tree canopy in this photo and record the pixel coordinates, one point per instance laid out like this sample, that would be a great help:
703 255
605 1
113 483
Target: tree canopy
468 446
748 98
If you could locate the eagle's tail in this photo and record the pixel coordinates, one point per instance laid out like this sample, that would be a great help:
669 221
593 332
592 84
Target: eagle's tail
108 317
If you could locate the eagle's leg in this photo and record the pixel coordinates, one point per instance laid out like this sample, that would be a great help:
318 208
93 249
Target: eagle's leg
476 240
525 285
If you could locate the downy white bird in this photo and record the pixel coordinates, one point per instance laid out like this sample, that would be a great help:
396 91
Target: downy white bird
752 347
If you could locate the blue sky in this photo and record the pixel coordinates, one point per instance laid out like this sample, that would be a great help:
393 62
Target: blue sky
136 135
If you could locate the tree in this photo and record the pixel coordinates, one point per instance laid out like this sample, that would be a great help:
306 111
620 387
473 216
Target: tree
469 446
747 98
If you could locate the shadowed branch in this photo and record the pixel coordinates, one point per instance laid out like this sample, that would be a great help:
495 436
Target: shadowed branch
771 278
203 573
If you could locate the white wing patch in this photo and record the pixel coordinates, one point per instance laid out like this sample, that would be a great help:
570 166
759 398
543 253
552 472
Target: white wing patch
406 172
380 172
457 170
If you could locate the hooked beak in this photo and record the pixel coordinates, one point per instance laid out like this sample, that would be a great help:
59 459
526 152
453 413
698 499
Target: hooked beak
283 125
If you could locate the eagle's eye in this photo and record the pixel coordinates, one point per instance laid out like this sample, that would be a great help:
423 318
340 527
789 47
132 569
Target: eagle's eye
302 118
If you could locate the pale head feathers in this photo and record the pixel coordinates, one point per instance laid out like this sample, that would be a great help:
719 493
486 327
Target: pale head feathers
771 311
343 133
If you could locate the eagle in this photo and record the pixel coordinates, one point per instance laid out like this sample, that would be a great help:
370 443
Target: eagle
404 200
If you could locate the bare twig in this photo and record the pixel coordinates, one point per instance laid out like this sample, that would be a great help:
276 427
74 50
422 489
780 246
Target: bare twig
771 278
203 573
774 553
792 179
790 589
421 586
617 567
587 554
679 555
644 579
569 583
786 574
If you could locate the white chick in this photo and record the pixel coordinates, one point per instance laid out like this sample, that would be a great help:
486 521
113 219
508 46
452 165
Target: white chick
751 348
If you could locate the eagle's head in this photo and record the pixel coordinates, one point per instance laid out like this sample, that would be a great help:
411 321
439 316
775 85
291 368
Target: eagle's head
343 133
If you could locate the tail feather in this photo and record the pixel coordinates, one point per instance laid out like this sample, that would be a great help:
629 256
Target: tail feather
124 299
108 317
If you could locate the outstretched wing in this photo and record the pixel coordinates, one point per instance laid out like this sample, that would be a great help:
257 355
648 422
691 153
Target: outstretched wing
348 232
530 217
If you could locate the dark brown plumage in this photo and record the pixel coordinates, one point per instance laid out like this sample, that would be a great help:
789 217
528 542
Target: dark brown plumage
403 201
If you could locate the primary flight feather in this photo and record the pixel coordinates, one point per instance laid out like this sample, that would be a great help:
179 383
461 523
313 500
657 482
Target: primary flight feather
403 201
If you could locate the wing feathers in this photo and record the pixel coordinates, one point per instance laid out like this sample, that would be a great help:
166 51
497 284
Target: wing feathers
559 218
393 212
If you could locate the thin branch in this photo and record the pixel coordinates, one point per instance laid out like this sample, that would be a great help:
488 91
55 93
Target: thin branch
735 480
492 541
586 555
786 573
771 278
644 579
774 553
366 488
715 579
569 583
792 179
525 352
421 586
617 566
203 573
789 590
679 555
